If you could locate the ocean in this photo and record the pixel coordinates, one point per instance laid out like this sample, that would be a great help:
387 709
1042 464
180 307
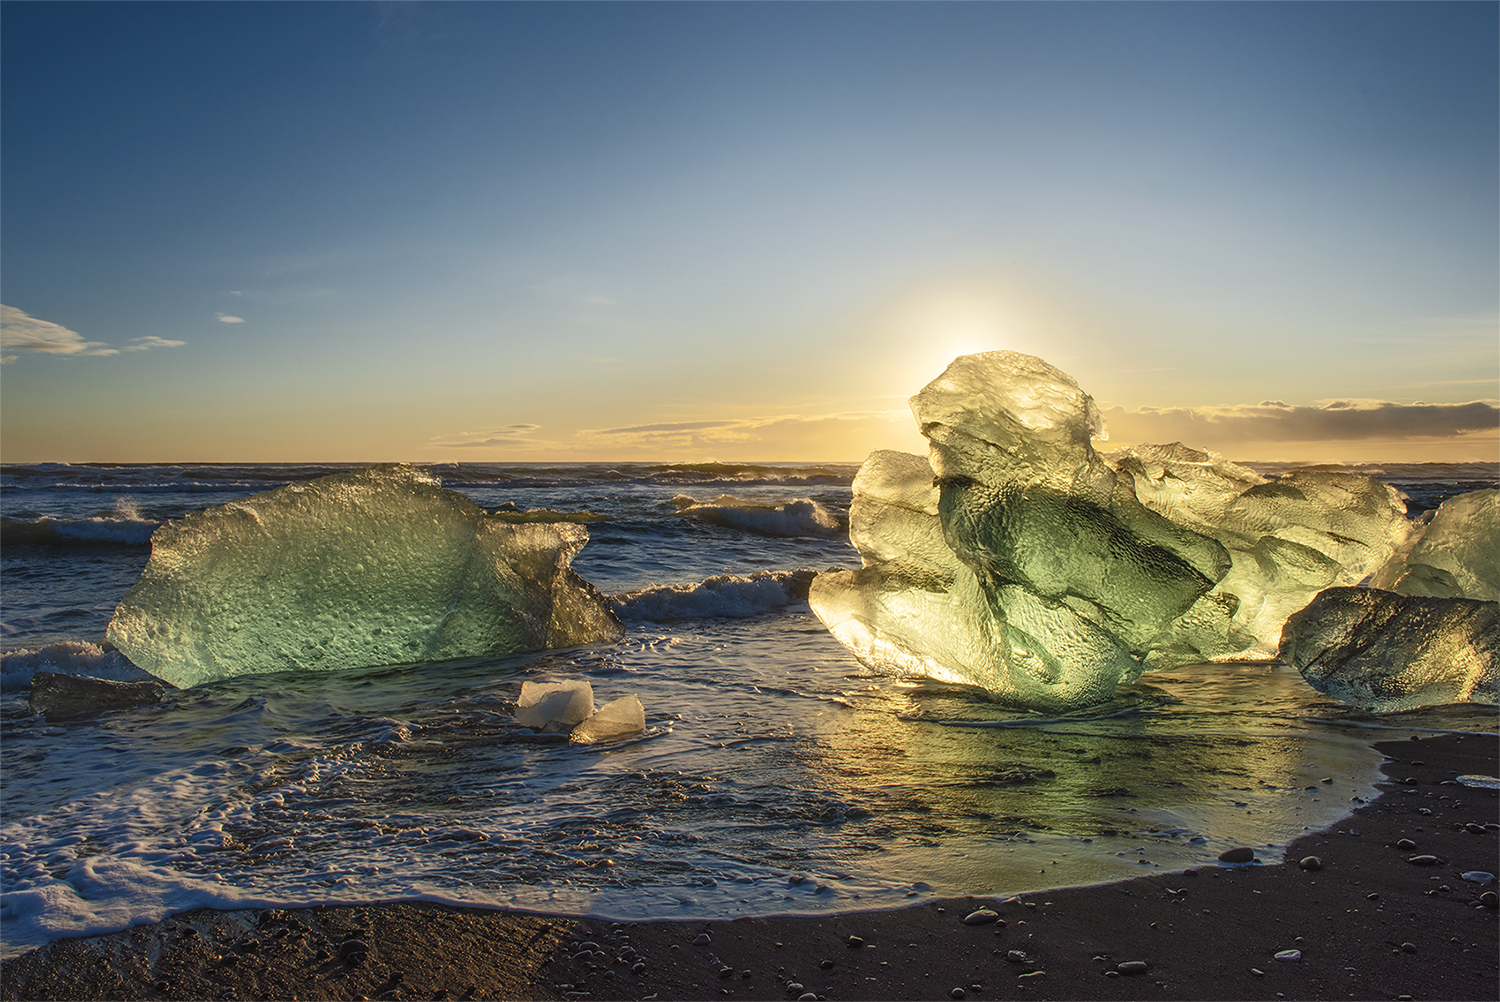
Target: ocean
776 775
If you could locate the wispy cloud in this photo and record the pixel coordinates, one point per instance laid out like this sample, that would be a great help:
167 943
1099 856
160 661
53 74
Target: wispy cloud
676 426
827 437
1274 421
225 318
147 343
20 331
505 435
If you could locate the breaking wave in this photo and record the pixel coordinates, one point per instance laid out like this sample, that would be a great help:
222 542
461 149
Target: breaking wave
728 596
803 517
68 657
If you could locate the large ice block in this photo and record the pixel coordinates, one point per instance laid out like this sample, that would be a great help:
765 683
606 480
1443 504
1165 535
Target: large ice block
378 566
1018 559
1455 555
1387 652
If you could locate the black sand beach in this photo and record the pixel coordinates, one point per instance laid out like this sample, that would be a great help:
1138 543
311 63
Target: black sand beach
1369 924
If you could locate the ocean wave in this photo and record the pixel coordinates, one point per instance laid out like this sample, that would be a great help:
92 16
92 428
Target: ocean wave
510 512
68 657
803 517
115 530
724 596
209 478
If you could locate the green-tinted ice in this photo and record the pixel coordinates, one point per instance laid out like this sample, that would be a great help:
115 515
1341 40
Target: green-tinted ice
379 566
1017 558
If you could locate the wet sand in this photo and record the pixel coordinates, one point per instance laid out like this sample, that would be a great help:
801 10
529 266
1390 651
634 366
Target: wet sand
1369 924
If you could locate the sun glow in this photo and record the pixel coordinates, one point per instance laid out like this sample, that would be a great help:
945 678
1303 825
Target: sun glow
937 326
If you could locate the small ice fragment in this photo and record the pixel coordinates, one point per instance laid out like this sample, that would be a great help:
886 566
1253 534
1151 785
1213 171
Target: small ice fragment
1485 782
1479 877
615 719
563 704
1289 955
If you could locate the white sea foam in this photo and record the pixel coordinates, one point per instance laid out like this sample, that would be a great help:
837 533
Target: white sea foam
802 517
724 595
67 657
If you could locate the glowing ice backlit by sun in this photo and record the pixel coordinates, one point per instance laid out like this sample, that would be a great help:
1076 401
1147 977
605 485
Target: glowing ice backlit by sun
1017 558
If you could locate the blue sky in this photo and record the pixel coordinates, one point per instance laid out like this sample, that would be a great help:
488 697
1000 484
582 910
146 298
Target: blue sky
434 231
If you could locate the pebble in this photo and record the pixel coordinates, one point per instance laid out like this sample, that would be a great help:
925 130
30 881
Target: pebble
1474 828
1016 957
957 993
703 939
983 916
1408 948
1132 967
1489 899
855 941
827 965
1289 955
1423 860
1240 854
1406 843
1257 972
1310 863
807 997
1478 877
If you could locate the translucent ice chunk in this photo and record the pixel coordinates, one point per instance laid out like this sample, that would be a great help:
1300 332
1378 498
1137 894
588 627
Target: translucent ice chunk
616 719
1387 652
1456 555
554 706
378 566
1018 559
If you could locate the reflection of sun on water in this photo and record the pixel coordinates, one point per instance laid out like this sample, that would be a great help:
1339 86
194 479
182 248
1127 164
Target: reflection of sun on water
967 795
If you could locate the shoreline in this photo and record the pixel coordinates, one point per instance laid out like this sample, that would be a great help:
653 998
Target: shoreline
1368 925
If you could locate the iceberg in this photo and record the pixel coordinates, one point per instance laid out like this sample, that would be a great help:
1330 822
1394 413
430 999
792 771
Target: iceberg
1386 652
1018 559
372 567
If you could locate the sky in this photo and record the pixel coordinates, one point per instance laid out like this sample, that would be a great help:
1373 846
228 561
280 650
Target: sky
435 232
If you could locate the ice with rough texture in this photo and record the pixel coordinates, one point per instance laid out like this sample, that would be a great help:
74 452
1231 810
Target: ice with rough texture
554 705
619 718
1017 558
1387 652
373 567
1455 555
